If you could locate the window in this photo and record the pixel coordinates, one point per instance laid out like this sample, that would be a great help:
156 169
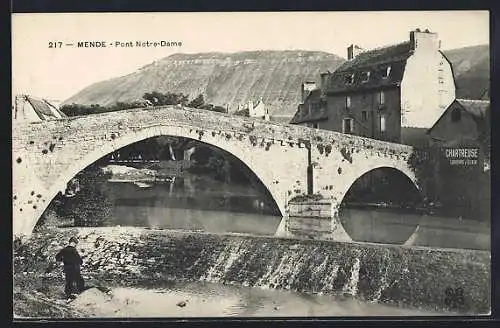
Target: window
349 78
348 102
315 125
381 97
387 72
364 116
382 123
365 77
456 115
347 125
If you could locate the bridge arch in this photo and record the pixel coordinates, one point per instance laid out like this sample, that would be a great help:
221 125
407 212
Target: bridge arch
402 170
378 226
97 151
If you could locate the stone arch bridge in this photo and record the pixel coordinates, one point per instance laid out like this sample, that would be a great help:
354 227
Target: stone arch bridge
289 160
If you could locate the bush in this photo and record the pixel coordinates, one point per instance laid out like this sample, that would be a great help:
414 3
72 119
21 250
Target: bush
88 207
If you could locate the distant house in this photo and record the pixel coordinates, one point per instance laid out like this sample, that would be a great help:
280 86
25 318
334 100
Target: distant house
392 93
31 109
258 110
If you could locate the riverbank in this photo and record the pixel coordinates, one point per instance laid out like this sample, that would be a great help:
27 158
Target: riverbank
416 278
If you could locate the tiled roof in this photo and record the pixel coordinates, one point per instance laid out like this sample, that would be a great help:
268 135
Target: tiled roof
41 108
316 115
378 56
314 96
477 108
376 62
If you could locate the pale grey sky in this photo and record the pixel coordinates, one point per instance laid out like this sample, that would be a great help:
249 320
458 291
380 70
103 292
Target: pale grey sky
60 73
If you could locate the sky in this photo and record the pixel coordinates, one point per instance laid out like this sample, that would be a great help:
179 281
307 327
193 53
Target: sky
58 73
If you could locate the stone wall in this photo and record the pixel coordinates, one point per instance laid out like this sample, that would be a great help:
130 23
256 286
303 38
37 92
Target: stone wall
410 277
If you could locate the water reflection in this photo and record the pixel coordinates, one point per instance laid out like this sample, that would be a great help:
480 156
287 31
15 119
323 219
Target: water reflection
191 204
198 204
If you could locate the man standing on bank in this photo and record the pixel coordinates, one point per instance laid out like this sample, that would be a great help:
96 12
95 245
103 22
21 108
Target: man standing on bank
72 262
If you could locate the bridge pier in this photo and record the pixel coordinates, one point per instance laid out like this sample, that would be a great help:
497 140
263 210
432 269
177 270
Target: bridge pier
314 219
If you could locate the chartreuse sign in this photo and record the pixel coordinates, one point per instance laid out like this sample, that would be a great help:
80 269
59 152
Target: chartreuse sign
462 156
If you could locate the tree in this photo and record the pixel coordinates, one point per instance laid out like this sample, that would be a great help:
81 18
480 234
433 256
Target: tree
197 102
163 99
88 205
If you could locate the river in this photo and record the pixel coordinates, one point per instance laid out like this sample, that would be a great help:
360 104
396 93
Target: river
195 203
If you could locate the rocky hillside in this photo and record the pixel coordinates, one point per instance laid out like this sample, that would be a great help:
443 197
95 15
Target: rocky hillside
229 79
224 79
471 66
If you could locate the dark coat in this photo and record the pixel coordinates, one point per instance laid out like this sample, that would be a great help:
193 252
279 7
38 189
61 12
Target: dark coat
70 257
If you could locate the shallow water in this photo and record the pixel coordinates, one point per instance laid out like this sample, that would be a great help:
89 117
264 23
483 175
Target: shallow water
202 299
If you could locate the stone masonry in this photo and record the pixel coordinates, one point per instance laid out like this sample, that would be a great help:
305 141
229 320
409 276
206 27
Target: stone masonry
46 155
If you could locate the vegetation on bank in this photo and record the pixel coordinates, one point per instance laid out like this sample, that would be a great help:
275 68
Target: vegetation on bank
86 205
149 99
461 190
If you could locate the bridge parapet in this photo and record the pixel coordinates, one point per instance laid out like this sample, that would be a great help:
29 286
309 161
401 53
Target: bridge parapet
203 121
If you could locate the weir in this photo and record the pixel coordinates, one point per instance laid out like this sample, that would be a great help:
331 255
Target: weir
412 277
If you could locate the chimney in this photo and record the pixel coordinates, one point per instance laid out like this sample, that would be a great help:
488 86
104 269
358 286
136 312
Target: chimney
306 88
324 80
352 51
424 40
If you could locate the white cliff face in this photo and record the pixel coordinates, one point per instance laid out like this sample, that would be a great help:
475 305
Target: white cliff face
427 88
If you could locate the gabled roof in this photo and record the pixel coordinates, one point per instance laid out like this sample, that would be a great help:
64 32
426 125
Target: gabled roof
260 102
28 108
376 62
478 109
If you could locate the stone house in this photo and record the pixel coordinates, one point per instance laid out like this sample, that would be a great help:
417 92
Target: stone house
393 93
462 182
464 124
312 109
